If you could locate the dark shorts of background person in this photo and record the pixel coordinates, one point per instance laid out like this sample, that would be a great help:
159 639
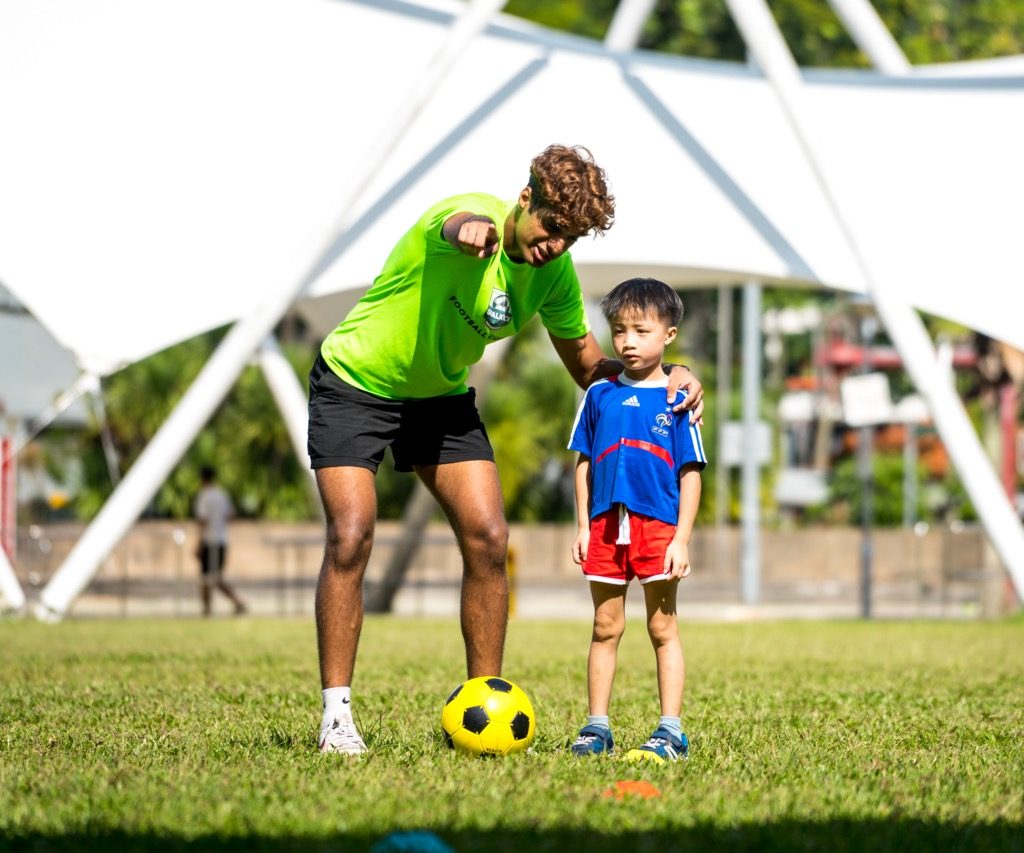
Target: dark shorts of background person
349 427
211 560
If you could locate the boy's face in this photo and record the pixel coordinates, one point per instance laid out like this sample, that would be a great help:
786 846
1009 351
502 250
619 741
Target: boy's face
639 341
532 238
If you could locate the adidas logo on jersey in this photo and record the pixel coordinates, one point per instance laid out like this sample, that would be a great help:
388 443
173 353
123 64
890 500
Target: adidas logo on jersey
631 401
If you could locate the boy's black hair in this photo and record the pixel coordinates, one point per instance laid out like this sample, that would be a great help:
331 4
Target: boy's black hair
207 474
644 296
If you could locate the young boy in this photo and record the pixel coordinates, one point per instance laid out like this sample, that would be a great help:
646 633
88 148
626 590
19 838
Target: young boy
637 491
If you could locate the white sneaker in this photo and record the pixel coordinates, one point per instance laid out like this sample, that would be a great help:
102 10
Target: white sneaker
341 735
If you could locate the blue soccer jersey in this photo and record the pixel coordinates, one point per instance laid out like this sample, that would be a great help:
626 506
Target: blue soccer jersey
637 447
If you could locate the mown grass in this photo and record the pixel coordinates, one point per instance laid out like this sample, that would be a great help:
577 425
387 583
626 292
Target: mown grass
835 736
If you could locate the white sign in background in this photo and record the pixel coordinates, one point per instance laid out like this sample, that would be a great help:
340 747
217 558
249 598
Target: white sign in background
867 400
736 446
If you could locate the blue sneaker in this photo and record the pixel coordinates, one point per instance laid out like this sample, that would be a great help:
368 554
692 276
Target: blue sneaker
661 746
593 740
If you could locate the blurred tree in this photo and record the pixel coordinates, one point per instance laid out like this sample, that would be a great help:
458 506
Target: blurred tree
583 17
245 440
846 493
927 30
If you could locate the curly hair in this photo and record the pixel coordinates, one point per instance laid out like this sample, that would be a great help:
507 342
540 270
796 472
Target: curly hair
568 185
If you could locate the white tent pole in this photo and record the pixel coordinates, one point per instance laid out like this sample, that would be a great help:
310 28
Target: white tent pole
627 24
290 397
217 376
86 383
106 439
750 469
9 586
903 324
722 416
870 34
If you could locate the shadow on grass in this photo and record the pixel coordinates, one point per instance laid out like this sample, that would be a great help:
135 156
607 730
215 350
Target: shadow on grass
838 835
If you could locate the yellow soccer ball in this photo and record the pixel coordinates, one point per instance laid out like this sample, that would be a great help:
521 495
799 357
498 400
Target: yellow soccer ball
488 716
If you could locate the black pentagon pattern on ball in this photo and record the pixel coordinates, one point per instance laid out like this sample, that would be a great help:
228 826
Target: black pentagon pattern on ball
520 725
475 719
454 693
499 684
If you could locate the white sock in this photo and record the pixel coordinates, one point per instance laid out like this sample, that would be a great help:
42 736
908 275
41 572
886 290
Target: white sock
673 724
337 703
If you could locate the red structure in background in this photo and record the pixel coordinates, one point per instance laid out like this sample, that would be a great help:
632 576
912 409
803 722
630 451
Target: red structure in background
1008 427
8 505
841 357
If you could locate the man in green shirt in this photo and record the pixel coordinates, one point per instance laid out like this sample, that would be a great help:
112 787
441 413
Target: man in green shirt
473 270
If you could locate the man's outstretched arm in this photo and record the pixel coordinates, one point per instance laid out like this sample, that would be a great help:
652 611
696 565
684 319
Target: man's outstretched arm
584 359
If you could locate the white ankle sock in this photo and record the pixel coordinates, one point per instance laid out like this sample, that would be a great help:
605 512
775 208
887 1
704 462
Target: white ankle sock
337 703
673 724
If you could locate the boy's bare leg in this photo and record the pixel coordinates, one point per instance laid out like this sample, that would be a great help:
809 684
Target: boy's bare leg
350 505
609 625
470 495
660 598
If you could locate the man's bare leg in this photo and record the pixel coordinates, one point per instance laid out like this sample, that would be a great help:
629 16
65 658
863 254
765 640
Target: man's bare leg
470 495
350 506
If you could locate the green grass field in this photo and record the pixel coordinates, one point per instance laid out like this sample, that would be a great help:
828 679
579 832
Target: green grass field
834 736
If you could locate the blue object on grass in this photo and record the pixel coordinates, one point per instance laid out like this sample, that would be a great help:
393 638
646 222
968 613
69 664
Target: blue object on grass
417 841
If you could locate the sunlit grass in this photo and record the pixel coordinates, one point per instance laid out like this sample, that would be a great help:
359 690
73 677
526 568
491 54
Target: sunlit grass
152 735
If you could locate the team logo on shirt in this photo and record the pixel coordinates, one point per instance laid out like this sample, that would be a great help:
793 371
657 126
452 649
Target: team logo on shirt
499 312
661 421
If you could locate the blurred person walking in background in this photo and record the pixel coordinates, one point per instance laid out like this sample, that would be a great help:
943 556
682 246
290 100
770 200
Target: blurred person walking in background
213 511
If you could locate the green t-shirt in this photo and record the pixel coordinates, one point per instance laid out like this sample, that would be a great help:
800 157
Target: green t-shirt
432 310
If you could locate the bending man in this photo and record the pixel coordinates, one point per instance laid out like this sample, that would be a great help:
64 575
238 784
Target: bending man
473 270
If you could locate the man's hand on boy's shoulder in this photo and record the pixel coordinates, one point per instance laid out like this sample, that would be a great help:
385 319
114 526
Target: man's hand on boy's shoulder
680 378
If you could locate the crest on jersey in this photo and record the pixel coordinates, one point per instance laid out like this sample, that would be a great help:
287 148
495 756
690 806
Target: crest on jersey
499 312
664 419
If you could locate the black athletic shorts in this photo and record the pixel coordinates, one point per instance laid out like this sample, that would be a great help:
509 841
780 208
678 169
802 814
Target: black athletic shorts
212 559
350 427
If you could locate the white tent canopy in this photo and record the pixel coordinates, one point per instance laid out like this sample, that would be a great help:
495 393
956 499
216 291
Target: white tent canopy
163 163
161 156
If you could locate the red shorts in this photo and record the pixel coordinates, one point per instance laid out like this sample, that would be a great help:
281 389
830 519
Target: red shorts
643 557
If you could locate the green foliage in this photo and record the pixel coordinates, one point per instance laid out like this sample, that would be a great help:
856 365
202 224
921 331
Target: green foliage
245 440
583 17
926 30
846 492
936 501
804 736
